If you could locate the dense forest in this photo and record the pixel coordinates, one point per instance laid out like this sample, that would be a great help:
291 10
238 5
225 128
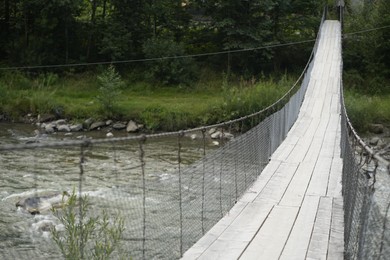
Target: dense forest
45 32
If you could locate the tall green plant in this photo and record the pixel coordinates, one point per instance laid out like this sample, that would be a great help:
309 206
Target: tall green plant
110 83
84 236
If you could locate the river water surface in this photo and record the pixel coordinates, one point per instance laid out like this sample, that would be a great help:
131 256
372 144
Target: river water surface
112 180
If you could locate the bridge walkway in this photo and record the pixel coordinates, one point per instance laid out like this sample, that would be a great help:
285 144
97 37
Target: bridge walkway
295 208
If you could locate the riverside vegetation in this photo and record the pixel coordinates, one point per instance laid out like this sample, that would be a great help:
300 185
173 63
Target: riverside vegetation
108 96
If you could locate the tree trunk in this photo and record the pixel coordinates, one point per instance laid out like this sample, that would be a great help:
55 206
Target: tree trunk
104 9
66 43
7 16
93 21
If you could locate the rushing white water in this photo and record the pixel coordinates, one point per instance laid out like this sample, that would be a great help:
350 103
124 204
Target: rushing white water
112 180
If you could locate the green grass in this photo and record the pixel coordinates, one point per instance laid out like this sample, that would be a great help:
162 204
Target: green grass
208 101
364 109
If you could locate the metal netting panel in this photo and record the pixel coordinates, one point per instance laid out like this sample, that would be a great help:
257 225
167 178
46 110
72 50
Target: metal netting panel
366 193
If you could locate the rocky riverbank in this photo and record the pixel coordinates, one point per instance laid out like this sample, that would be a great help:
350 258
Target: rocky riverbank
49 124
379 140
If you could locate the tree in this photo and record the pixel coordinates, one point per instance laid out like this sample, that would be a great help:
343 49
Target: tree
367 55
110 83
168 70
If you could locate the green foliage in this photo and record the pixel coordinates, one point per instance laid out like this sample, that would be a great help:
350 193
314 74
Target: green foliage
367 55
110 84
168 70
366 109
251 95
16 80
160 118
85 236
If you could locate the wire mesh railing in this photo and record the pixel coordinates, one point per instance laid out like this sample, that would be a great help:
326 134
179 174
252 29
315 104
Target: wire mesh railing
169 188
366 192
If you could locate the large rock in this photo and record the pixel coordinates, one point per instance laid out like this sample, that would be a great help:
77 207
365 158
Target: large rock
216 135
132 127
87 123
118 126
60 122
63 128
97 125
49 128
46 118
374 141
376 128
220 135
212 130
38 204
76 128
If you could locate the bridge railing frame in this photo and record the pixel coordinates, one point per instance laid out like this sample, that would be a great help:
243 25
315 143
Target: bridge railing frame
366 189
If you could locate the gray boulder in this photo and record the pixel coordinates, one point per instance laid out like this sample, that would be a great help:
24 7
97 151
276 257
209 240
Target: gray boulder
97 125
87 123
49 128
376 128
132 127
38 204
216 135
76 128
374 141
118 126
63 128
60 122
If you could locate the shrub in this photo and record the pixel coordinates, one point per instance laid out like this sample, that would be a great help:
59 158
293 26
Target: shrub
85 237
110 83
160 118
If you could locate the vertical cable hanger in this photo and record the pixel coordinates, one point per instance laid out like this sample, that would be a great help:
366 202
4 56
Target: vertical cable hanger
203 178
179 144
83 147
142 160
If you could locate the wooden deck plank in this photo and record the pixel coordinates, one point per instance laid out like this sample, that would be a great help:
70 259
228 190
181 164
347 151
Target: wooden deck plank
272 236
336 249
299 239
278 184
233 241
319 241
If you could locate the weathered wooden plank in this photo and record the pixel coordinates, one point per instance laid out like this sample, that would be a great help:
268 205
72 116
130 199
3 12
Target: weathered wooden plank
336 249
334 183
212 235
318 246
233 241
277 185
270 240
261 181
299 239
297 189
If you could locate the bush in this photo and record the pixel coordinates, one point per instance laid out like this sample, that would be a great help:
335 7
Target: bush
110 83
168 70
85 237
250 96
160 118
